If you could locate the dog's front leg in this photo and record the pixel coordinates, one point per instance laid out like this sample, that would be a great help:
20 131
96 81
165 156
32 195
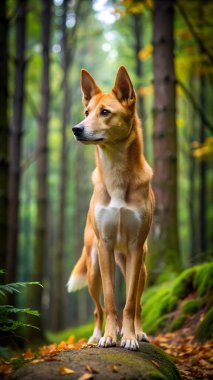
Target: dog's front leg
107 266
133 266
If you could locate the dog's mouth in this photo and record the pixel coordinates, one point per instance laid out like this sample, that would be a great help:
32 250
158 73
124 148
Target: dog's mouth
88 141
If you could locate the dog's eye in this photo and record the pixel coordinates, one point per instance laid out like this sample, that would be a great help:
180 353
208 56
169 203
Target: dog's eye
86 113
104 112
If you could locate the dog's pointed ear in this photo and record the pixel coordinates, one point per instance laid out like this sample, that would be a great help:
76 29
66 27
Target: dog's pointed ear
89 86
123 88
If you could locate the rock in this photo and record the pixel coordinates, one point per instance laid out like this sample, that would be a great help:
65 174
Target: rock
149 363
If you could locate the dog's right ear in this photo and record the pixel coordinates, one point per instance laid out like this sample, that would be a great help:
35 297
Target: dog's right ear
89 87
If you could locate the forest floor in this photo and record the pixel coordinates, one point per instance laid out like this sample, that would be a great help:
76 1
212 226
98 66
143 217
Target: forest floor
194 360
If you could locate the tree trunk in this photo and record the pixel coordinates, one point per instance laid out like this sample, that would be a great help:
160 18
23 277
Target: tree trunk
165 244
138 33
40 247
4 132
202 169
15 143
60 243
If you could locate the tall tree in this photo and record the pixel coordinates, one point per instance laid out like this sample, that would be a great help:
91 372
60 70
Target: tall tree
15 142
40 248
68 47
4 132
137 20
165 244
60 244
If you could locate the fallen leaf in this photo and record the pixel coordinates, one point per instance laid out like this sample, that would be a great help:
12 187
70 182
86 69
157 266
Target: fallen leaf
5 369
155 363
35 361
91 369
86 376
29 354
114 368
65 371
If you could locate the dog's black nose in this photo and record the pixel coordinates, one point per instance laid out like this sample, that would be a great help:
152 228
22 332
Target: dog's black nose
78 129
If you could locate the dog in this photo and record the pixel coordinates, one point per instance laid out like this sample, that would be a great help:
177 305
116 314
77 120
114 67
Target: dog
120 211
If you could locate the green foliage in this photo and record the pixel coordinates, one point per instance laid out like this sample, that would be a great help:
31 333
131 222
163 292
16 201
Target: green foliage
159 302
205 328
84 331
203 280
191 306
178 322
7 320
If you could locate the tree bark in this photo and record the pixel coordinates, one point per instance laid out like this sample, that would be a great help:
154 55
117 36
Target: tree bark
15 143
40 245
4 132
138 33
202 169
165 242
60 243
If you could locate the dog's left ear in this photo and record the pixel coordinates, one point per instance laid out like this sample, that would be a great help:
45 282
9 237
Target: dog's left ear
89 87
123 88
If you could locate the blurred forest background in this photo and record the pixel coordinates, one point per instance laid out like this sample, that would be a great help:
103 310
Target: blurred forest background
45 186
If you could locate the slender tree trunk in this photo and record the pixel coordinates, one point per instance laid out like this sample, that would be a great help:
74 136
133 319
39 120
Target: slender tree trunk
15 143
138 33
40 248
165 244
4 132
60 244
192 190
202 169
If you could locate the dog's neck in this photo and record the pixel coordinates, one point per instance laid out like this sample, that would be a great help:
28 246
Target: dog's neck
120 164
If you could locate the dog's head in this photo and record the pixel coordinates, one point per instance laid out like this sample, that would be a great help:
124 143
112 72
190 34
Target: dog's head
108 116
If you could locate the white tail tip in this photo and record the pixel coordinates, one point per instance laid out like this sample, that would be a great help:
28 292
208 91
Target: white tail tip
76 282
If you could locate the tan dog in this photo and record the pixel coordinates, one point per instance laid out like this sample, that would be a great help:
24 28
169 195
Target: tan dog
121 208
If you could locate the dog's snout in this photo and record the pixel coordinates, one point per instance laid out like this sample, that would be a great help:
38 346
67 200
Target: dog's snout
78 129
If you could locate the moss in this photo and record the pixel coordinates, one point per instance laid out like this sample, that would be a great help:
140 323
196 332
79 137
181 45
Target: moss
205 329
191 306
203 280
84 331
183 285
178 322
153 308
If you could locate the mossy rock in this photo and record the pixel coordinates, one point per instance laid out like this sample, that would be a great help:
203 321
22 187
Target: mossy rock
191 306
149 363
205 328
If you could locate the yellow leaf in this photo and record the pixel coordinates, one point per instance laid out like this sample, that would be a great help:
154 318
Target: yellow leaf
35 361
86 376
146 52
65 371
144 91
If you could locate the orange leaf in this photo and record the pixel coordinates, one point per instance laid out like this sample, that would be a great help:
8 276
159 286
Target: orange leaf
114 368
29 354
86 376
5 369
65 371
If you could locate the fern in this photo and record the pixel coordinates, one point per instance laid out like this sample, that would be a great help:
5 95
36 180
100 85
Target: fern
14 287
7 322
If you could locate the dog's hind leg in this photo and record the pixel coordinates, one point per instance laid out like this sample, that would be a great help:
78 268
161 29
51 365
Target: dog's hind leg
140 335
94 286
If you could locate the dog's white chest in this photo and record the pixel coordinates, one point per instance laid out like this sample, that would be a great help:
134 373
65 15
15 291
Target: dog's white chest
119 225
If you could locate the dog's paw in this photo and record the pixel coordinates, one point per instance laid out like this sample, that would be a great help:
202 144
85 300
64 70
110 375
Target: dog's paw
130 344
93 340
107 341
142 337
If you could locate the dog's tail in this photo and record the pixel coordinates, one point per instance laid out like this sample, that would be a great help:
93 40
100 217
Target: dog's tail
78 277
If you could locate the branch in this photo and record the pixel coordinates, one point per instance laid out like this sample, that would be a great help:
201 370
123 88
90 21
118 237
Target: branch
193 32
195 105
